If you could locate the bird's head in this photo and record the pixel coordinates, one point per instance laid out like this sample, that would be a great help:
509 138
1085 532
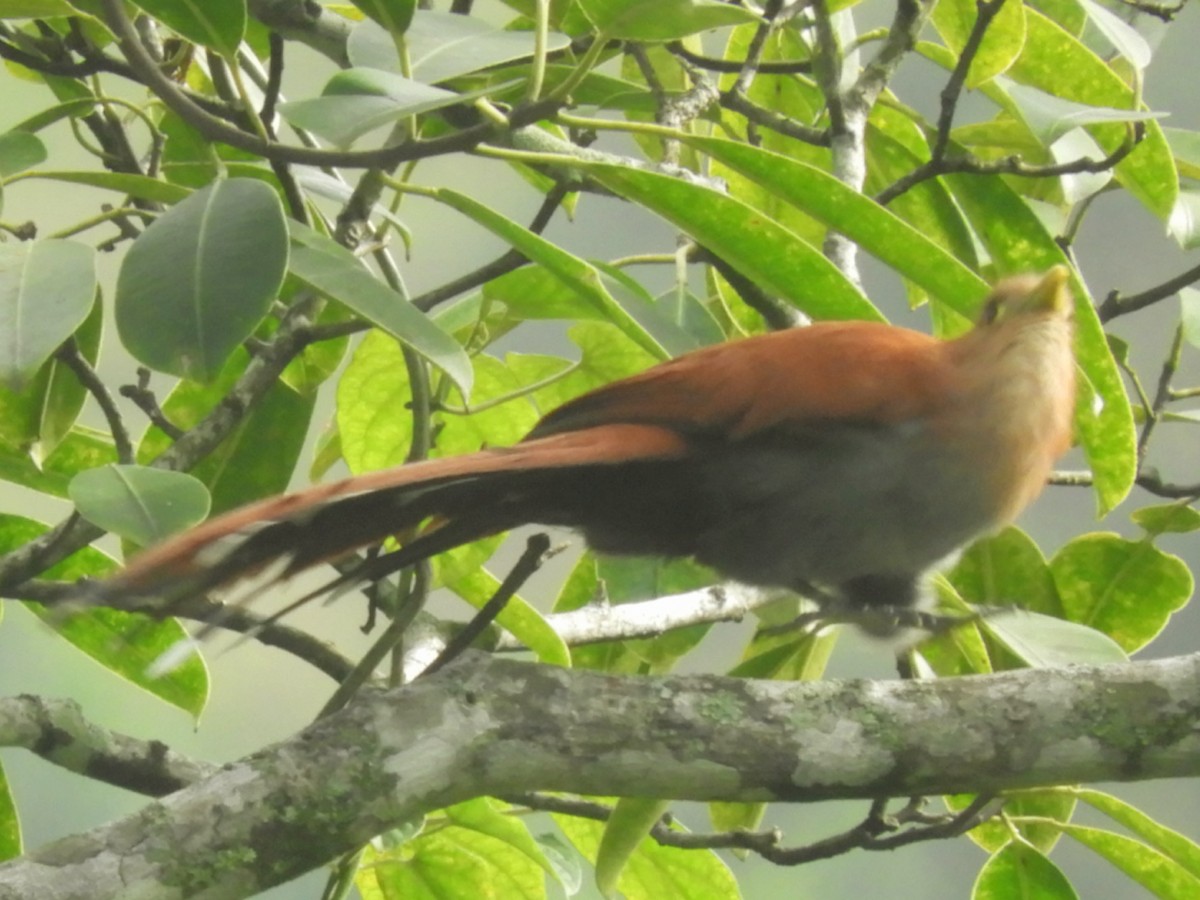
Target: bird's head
1036 296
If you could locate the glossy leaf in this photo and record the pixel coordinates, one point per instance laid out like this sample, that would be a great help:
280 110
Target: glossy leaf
1184 221
19 150
21 9
1019 872
35 419
219 24
628 825
122 183
1189 315
81 448
335 272
375 385
1046 642
661 20
198 281
142 504
442 46
238 471
1050 117
1127 589
578 274
124 643
357 101
1170 843
1055 61
393 15
1185 144
1162 876
47 288
654 871
486 816
1006 569
1125 39
1038 817
874 228
1169 518
459 861
776 259
10 823
1001 43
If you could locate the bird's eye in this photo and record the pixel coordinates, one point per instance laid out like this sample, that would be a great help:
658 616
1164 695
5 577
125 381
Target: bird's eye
991 309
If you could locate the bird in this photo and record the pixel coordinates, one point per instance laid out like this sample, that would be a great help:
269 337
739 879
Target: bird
843 460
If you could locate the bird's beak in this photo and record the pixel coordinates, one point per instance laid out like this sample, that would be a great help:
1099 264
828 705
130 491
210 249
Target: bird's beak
1051 294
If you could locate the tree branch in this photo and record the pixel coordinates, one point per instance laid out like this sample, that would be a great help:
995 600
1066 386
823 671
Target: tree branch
490 726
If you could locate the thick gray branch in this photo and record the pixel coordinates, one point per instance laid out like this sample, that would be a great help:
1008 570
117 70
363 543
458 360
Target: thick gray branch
492 726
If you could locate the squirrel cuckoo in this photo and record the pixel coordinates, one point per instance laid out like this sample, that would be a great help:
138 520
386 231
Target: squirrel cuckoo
845 457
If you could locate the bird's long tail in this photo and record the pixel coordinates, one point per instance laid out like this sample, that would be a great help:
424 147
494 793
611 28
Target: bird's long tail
466 497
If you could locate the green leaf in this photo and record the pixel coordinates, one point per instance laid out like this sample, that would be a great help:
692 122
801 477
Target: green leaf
1037 816
35 419
34 9
1173 518
630 579
82 448
1189 315
124 643
1046 642
661 20
1006 569
775 258
1054 61
458 862
1050 117
335 272
606 354
1124 38
1162 876
357 101
47 289
442 46
394 15
578 274
1171 844
494 819
1020 872
629 825
655 872
142 504
874 228
1001 43
219 24
122 183
1184 222
10 823
1127 589
198 281
19 150
1185 144
238 471
1019 242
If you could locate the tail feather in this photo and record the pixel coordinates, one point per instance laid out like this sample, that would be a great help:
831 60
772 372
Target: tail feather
472 496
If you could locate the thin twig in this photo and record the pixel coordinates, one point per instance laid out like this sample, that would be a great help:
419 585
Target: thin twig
144 399
1116 305
531 560
217 130
70 356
